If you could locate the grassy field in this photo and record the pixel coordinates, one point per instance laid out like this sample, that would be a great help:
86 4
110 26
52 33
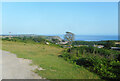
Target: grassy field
46 56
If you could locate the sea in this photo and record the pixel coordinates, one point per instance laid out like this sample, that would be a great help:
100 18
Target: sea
93 37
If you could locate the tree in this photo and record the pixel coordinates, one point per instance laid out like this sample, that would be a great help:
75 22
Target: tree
55 41
69 37
24 38
109 44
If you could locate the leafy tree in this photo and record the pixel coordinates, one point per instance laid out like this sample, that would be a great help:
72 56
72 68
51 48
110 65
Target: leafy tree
63 40
109 44
69 37
24 38
55 41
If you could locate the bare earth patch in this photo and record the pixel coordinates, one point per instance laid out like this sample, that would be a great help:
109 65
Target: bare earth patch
17 68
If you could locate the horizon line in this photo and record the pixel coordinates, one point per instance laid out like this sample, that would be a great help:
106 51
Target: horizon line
55 34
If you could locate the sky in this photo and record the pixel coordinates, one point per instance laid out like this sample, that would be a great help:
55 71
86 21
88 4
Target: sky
60 0
55 18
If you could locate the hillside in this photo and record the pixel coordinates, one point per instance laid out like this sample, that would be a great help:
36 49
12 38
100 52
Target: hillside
46 56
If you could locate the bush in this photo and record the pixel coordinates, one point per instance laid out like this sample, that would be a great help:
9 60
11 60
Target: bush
26 39
99 60
109 44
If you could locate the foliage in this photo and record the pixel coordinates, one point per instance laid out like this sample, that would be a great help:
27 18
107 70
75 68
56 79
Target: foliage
69 37
46 57
98 60
117 45
37 39
88 42
26 39
55 41
109 44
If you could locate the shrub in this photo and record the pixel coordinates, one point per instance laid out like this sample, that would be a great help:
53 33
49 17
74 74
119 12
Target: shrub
102 61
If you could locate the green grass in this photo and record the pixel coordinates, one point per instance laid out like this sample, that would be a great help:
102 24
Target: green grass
46 56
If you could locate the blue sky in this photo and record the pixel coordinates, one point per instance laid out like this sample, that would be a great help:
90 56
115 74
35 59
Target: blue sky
48 18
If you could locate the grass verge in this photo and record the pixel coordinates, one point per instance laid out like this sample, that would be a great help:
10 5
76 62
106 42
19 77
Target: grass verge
46 56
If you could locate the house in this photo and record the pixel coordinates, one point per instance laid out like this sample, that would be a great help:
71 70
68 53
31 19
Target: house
117 42
99 46
115 48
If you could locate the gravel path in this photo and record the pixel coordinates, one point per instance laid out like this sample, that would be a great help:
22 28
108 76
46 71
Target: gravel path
17 68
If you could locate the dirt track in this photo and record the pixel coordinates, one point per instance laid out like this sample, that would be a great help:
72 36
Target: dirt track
16 68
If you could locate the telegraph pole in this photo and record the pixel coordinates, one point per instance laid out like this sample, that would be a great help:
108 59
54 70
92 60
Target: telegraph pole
9 35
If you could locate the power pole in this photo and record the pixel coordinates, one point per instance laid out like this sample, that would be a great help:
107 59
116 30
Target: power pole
9 35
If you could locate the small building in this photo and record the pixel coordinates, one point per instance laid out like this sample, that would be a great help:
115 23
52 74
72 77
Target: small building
99 46
117 42
115 48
